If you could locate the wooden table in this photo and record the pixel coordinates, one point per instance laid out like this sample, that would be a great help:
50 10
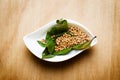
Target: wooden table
20 17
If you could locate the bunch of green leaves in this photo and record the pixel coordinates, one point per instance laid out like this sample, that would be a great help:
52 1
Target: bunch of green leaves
57 30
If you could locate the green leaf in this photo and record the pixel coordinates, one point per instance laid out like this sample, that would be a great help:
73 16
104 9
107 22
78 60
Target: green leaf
58 35
85 45
46 54
50 43
63 52
42 44
60 27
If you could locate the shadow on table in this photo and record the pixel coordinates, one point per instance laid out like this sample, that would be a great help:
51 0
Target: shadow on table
65 64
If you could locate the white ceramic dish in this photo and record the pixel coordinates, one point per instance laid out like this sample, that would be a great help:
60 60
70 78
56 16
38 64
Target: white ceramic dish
30 41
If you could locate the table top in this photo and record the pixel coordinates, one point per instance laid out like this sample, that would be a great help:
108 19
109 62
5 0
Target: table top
20 17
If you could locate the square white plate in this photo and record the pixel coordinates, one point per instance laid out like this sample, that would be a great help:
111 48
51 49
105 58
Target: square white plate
31 43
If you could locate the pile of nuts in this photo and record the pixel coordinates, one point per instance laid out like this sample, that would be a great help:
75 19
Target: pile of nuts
75 36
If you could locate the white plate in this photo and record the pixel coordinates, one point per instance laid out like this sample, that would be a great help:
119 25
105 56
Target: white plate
30 41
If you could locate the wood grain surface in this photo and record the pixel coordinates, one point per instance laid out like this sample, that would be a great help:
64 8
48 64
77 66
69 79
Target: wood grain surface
20 17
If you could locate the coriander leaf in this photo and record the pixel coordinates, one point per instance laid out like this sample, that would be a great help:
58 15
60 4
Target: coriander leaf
85 45
63 52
